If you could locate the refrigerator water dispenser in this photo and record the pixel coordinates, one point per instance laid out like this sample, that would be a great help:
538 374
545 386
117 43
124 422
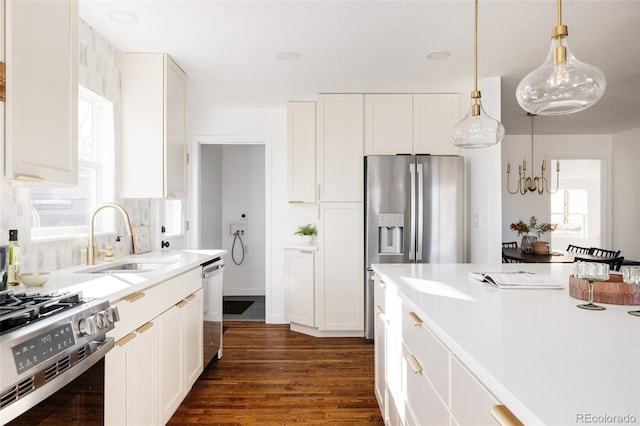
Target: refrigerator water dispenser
390 233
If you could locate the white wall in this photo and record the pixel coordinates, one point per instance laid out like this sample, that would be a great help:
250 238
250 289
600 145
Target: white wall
625 163
514 150
281 218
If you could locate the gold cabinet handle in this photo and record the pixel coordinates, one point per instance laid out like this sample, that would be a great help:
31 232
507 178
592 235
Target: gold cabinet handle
181 303
191 297
415 319
380 309
133 297
415 365
306 251
504 416
144 327
29 178
295 202
126 339
382 283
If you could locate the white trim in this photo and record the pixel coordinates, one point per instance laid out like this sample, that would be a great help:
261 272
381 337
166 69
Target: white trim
193 236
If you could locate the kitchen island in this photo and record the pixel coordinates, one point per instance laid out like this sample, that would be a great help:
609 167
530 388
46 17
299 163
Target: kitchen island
532 351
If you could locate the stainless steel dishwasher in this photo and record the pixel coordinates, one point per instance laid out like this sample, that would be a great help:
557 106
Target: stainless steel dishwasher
212 272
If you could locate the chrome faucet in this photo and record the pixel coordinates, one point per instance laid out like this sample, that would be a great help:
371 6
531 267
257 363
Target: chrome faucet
91 254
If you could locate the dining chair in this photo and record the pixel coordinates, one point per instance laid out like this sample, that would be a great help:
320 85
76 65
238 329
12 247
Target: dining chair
510 244
615 263
595 251
577 249
509 260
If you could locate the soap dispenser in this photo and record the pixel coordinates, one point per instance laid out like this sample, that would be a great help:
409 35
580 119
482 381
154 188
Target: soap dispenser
118 248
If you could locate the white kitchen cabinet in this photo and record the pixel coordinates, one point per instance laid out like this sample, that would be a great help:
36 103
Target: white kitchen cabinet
299 287
154 156
170 372
301 152
158 351
471 402
433 117
41 111
388 124
339 147
192 329
339 270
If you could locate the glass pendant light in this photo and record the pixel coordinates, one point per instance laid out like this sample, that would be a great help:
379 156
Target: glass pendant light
477 129
562 84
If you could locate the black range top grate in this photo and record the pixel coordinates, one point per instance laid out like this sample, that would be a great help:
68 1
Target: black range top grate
21 309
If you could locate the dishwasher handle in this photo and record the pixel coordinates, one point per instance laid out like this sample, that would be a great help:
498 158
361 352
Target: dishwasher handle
212 270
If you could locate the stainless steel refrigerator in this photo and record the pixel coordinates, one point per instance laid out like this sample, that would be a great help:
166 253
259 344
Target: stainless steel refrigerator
413 214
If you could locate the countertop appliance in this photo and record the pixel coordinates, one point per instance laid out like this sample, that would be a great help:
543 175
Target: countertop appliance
47 341
414 213
212 273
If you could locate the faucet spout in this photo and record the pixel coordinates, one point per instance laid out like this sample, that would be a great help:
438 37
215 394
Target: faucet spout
91 255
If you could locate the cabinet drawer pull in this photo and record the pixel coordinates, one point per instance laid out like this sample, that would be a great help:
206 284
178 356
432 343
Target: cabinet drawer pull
380 309
415 319
306 251
181 303
191 297
504 416
382 283
28 178
295 202
415 365
135 296
144 327
126 339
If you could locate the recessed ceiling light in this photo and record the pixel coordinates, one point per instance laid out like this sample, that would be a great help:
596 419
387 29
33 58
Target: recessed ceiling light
289 56
123 17
438 55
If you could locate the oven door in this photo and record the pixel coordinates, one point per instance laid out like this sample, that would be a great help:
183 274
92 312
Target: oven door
74 398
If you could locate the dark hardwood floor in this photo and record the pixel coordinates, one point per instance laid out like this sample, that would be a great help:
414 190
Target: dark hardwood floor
269 375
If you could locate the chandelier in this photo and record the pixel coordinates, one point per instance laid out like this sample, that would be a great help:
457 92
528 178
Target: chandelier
532 183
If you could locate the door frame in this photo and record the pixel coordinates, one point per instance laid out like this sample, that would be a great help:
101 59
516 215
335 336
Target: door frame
193 213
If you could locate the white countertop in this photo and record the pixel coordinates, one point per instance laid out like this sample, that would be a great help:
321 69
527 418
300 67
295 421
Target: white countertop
114 286
547 360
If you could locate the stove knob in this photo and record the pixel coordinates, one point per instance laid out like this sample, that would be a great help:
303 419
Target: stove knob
112 314
101 320
87 326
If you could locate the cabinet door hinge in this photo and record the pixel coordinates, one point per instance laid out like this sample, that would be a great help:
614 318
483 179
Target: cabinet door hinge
187 225
188 158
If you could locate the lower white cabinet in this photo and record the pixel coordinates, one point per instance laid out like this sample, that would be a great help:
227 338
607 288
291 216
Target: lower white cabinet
435 387
299 287
339 270
152 367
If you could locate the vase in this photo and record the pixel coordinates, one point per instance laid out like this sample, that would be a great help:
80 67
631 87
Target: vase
527 242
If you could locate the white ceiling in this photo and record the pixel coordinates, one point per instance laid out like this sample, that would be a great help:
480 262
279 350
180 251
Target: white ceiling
229 48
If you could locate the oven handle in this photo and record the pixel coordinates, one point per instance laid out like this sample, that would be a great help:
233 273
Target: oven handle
214 269
23 404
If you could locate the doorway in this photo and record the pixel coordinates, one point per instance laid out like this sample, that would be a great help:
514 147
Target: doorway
577 205
232 217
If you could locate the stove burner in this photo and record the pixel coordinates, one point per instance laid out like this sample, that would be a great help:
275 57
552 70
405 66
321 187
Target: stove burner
20 309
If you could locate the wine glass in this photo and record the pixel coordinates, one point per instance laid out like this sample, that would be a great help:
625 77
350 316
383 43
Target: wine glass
592 271
631 275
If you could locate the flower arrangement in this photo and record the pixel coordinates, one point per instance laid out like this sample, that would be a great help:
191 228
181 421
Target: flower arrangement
532 227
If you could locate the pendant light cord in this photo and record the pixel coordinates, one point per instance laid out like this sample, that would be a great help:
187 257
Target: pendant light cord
475 49
559 13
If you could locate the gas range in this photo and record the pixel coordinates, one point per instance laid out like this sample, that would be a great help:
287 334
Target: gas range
46 340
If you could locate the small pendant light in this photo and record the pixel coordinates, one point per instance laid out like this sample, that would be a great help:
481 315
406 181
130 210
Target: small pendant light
477 129
562 84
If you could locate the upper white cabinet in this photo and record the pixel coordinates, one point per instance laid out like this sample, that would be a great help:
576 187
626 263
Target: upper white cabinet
410 124
41 132
388 124
154 156
301 152
433 117
339 147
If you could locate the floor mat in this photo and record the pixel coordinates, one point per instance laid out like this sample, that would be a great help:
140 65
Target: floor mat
236 307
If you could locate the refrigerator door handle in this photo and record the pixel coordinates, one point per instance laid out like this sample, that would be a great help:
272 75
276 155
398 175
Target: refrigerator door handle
420 212
412 229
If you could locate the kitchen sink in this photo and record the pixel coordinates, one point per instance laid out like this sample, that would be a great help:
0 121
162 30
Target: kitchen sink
125 267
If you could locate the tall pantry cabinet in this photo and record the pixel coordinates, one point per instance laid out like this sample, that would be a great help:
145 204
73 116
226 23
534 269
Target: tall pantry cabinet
337 292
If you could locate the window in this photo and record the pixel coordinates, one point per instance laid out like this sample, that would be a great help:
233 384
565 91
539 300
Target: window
173 219
63 212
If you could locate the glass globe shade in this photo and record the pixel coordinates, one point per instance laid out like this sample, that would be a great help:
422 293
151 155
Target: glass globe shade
477 131
560 89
